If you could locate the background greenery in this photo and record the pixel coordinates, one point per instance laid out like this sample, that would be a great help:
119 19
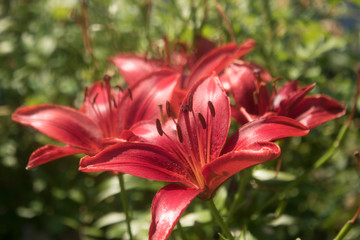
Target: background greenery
44 59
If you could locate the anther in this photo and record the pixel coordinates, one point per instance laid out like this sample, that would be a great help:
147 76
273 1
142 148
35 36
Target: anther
202 120
106 78
168 110
212 108
94 99
86 91
130 94
158 127
114 101
179 133
120 88
185 108
190 102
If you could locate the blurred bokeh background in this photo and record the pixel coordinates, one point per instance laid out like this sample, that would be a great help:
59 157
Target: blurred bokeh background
49 52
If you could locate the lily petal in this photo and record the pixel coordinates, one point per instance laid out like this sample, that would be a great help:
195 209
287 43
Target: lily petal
138 159
167 206
133 67
264 129
242 86
61 123
217 60
49 153
206 92
293 99
316 110
146 96
216 172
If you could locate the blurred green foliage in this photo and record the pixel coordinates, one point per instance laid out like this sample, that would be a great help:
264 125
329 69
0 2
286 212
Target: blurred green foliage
44 58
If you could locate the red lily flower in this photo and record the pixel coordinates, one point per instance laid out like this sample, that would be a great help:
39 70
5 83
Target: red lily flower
253 100
210 60
101 119
192 151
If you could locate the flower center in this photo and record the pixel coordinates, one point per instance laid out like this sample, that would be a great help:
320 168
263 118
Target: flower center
193 145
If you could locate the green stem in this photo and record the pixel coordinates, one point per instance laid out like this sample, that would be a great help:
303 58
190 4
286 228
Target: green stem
219 219
244 179
344 230
124 203
348 225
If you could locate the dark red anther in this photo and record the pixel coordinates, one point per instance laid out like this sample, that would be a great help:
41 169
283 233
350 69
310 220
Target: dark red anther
114 101
120 88
86 92
202 120
130 94
190 102
179 133
168 110
158 127
94 99
185 108
106 78
212 108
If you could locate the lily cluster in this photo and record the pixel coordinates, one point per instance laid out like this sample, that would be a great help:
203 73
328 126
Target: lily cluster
171 123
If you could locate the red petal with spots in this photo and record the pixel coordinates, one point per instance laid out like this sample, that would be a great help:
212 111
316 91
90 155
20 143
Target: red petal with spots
206 92
168 205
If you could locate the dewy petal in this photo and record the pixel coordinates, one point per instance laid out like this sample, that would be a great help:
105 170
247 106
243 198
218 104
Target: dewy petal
216 172
147 94
205 91
264 129
315 110
217 60
138 159
61 123
167 206
134 67
49 153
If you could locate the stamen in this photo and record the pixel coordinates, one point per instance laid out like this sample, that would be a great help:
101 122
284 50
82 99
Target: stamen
168 110
106 78
86 92
94 99
190 102
179 133
130 94
114 101
119 87
212 108
185 108
202 120
158 127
